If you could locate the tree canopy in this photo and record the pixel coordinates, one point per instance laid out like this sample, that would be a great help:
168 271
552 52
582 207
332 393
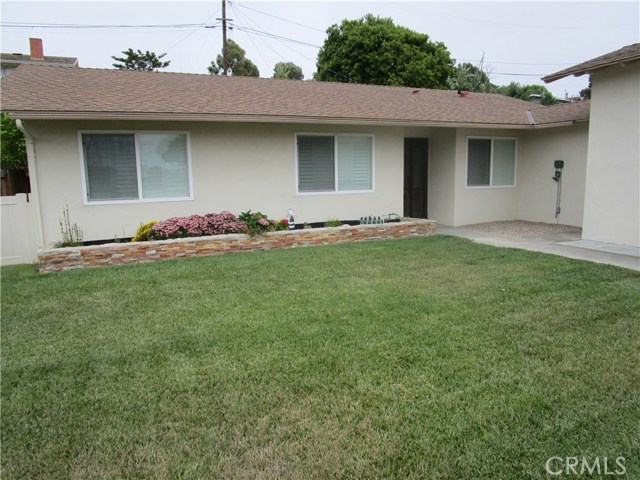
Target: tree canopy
525 92
585 93
470 78
237 63
147 61
373 50
14 151
288 70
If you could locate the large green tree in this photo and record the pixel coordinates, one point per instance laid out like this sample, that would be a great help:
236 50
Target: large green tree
14 152
525 92
373 50
237 63
288 70
138 60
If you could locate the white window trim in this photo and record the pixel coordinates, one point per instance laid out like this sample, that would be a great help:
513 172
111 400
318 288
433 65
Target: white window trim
335 162
135 133
466 164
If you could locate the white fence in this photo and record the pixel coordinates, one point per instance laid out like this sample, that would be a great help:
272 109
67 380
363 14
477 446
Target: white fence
18 239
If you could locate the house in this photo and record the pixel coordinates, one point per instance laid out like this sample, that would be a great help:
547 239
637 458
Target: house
120 148
11 61
612 190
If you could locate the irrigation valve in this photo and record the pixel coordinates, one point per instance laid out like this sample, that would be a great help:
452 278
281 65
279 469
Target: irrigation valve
557 177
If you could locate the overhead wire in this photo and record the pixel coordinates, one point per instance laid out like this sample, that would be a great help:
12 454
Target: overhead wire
247 19
231 4
283 19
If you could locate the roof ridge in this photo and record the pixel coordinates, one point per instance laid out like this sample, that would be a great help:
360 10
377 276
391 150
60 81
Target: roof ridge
272 79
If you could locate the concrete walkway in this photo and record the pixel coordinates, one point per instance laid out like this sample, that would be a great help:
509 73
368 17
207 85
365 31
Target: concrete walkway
563 243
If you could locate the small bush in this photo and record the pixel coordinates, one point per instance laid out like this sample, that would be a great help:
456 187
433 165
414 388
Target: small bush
279 225
145 232
333 222
256 223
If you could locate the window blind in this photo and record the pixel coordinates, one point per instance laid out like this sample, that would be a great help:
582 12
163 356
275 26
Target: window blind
110 166
504 155
316 165
354 163
164 165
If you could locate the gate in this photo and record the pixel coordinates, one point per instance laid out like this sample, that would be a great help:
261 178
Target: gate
18 239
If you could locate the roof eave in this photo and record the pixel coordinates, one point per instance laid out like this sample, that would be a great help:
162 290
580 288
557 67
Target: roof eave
185 117
577 72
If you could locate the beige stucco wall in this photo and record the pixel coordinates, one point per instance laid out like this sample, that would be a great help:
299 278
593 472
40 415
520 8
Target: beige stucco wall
612 193
537 192
242 166
442 148
482 204
236 167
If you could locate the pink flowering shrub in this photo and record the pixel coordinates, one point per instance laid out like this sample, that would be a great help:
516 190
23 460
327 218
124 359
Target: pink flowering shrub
197 226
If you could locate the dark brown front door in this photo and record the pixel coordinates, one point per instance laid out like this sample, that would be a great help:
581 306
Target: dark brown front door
416 161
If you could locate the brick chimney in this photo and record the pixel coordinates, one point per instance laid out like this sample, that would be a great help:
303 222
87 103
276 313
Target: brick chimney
35 45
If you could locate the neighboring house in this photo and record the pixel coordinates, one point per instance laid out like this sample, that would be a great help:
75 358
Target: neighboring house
612 193
11 61
125 147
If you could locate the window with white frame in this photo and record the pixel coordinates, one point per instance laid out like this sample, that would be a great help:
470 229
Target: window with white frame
491 162
136 166
334 163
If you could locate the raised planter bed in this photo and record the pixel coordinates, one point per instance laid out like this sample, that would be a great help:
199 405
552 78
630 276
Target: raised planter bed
92 256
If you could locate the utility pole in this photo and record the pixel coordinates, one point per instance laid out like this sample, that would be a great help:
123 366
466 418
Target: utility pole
225 65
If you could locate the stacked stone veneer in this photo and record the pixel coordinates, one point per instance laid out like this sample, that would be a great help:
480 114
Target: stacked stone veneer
58 259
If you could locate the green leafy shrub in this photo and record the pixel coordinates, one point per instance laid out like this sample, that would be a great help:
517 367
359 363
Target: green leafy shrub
257 223
145 232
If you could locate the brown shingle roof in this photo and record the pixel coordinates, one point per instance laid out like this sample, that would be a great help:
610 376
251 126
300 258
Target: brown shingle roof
54 92
630 53
562 113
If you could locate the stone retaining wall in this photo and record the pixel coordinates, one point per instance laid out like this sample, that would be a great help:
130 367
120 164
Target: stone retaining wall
70 258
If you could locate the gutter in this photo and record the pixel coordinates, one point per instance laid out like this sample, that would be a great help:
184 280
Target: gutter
173 117
33 181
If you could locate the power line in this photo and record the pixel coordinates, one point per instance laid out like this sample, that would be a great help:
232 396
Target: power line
283 19
250 39
277 37
96 26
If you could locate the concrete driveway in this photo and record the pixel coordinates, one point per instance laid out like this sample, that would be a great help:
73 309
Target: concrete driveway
561 240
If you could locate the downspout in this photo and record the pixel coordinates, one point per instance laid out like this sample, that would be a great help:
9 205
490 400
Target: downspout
33 181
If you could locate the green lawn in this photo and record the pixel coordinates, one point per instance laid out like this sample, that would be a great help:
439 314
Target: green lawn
418 358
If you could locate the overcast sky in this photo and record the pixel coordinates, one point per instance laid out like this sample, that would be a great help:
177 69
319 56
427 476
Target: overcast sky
520 41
